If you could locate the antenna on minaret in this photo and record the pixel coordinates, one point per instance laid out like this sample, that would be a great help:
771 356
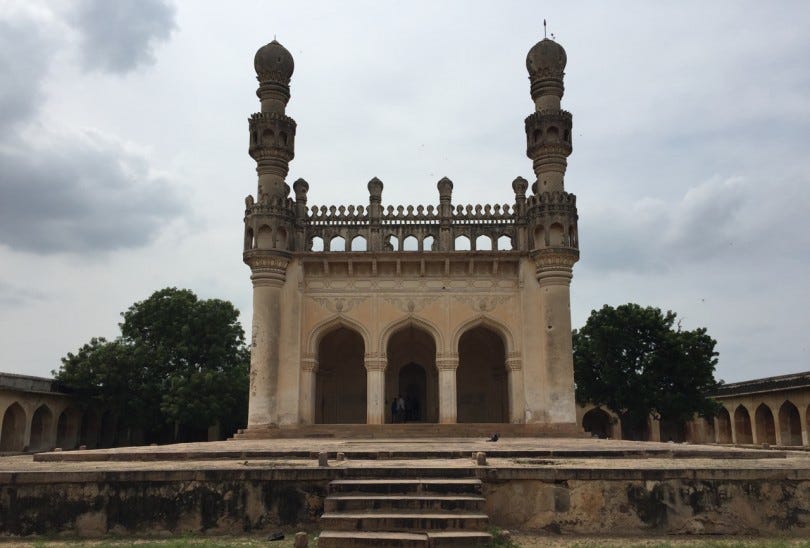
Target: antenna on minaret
544 29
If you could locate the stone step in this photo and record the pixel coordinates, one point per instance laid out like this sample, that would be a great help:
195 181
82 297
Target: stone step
399 502
369 539
413 430
377 539
446 486
458 539
404 522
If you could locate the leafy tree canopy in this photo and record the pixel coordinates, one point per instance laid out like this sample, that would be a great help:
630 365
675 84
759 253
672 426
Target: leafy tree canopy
179 362
639 362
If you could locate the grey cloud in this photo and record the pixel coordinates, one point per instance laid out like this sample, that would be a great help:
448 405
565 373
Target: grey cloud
23 60
717 219
13 295
119 36
84 194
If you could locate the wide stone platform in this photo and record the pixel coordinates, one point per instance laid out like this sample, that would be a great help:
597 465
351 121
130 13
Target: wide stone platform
565 485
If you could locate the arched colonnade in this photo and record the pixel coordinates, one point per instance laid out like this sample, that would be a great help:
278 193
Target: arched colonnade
32 425
406 377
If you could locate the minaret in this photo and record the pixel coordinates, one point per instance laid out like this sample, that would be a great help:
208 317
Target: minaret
269 226
552 221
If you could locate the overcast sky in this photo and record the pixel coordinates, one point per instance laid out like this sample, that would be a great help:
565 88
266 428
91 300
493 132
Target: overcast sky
124 165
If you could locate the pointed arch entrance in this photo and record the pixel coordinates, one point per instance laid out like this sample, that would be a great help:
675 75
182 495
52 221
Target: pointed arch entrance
412 374
12 430
340 382
742 425
41 425
790 424
481 377
766 430
724 426
597 423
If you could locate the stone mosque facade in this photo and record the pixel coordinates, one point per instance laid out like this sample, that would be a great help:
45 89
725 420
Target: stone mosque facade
463 311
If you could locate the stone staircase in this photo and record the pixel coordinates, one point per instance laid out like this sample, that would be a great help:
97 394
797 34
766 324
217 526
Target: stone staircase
405 513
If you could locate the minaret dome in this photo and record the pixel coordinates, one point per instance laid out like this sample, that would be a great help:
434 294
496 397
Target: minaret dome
274 63
546 65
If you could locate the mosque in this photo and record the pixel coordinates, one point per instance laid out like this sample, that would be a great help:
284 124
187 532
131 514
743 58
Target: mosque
462 311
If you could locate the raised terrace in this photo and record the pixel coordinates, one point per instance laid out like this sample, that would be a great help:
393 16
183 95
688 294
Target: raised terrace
421 488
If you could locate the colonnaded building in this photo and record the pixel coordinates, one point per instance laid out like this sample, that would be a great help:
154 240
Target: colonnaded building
462 310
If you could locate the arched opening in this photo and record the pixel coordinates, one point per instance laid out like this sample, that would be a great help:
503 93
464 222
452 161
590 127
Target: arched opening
359 243
283 138
555 234
264 238
461 243
552 132
412 375
67 428
483 243
392 243
597 422
766 429
708 430
41 424
89 430
316 244
268 136
107 430
536 134
410 243
281 238
672 430
427 243
12 432
723 426
742 425
248 238
338 243
505 243
481 377
340 383
539 237
790 424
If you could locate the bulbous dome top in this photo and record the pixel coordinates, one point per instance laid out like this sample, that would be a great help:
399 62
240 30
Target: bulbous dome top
546 59
274 62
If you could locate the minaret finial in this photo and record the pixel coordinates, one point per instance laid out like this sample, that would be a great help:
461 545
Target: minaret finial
544 29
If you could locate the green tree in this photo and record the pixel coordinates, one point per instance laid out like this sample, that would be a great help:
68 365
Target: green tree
179 366
639 362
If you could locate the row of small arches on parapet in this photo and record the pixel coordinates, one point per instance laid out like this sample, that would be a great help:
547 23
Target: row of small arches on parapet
412 243
341 214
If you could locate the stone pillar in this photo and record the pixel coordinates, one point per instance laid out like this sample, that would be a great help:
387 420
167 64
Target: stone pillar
375 394
268 273
653 429
554 273
309 371
448 404
803 422
446 242
517 400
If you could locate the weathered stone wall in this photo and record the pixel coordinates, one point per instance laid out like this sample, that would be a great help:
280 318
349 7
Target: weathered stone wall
216 506
229 502
632 507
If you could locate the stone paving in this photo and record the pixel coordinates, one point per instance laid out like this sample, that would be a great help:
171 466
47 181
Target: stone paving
520 453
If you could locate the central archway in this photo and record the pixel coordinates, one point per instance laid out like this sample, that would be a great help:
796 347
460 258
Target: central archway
483 394
340 383
411 373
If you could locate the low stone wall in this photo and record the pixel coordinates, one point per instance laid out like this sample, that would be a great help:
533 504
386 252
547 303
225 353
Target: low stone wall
599 507
631 502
